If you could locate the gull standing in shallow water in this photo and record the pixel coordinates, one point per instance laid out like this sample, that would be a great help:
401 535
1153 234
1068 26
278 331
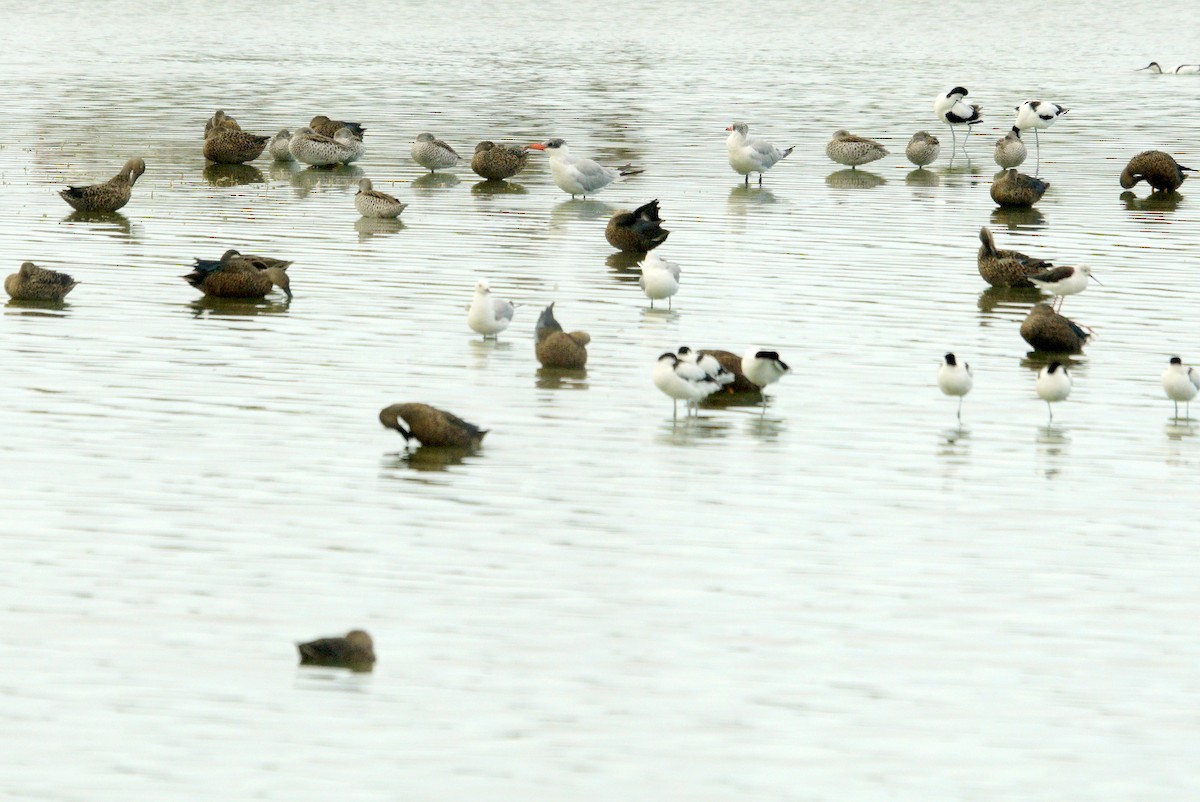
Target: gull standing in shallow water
955 379
923 149
682 381
752 154
488 316
660 278
1063 281
1053 385
1181 383
951 109
576 175
1038 114
763 368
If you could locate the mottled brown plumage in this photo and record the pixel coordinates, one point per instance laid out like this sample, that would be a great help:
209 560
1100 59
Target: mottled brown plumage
220 120
235 275
33 283
1158 169
1003 268
1011 188
229 146
1046 330
497 162
356 652
109 196
638 231
431 426
327 127
556 348
732 363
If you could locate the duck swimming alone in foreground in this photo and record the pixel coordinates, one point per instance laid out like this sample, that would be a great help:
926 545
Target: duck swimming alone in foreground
113 194
1158 169
239 276
498 162
355 651
431 426
371 203
1004 268
1011 188
33 283
846 148
638 231
556 348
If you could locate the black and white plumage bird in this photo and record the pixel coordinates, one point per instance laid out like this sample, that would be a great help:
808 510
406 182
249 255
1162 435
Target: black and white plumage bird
763 368
1053 385
1063 281
1181 383
955 379
953 110
1038 114
709 364
683 381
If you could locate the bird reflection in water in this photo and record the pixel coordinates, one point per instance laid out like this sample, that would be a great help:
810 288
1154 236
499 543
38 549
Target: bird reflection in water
368 227
435 181
109 222
211 306
854 179
562 379
1015 218
232 175
498 187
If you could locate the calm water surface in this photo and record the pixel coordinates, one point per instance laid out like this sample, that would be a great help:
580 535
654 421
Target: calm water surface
850 597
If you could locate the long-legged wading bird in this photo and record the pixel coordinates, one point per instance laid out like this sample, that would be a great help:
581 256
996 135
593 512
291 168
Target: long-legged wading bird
431 426
752 154
683 381
763 367
109 196
1053 385
1181 383
954 379
1064 281
951 109
1038 114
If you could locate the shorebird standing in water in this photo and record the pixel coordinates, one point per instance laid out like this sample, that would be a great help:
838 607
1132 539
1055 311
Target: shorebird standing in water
763 368
1181 383
955 379
752 154
1063 281
683 381
953 110
1053 385
1038 114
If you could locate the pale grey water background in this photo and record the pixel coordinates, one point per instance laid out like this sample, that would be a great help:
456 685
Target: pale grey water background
849 599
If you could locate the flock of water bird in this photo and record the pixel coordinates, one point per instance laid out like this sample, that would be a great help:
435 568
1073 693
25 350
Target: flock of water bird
684 374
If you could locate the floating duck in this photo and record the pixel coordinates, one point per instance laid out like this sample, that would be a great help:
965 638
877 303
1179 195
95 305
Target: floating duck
239 276
33 283
1158 169
327 127
433 154
497 162
278 146
846 148
109 196
1010 151
752 154
556 348
1004 268
638 231
355 651
1011 188
1046 330
233 146
923 149
431 426
317 149
371 203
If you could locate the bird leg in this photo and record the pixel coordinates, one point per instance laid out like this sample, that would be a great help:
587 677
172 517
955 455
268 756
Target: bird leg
960 400
1037 141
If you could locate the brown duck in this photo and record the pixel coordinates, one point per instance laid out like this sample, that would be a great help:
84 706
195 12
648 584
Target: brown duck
497 162
233 146
355 652
1002 268
1046 330
327 127
239 276
431 426
733 363
109 196
1158 169
556 348
638 231
1011 188
220 120
33 283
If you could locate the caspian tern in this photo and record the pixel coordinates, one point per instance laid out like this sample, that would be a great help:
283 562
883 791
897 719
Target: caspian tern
576 175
